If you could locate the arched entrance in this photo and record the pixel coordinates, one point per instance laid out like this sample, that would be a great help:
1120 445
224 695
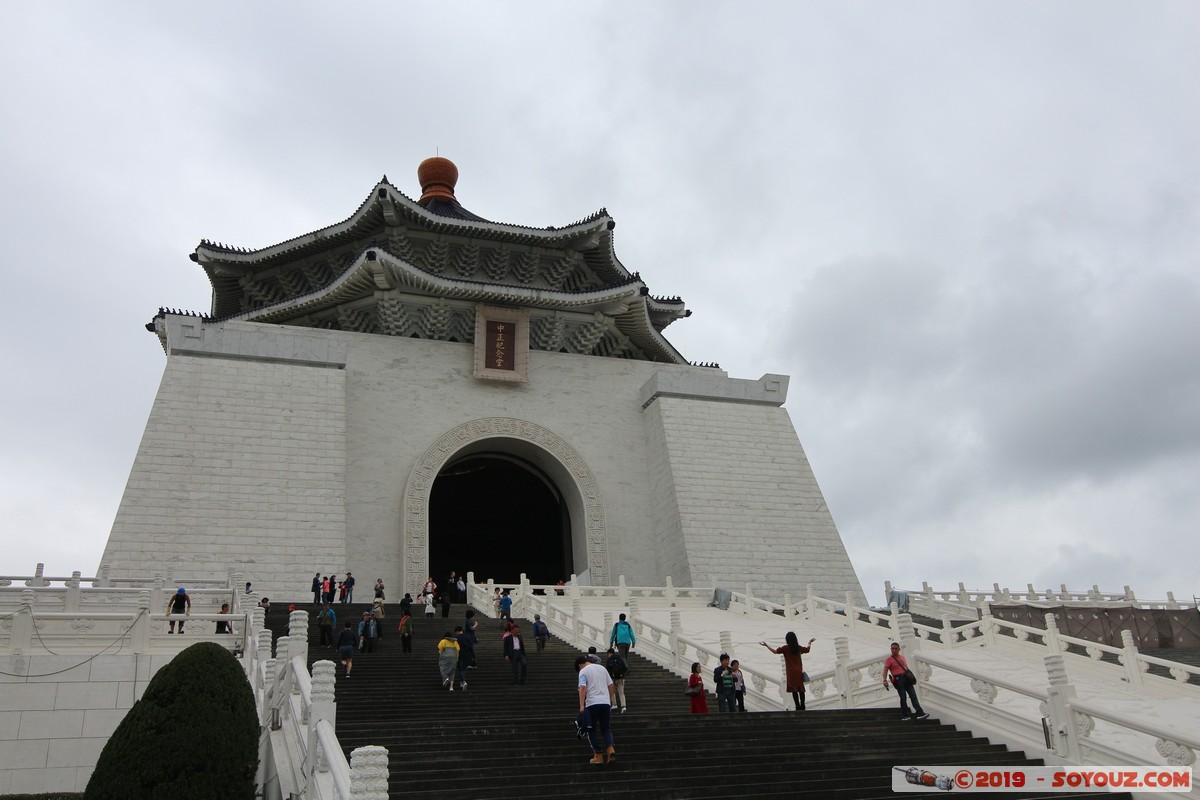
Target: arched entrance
498 516
533 449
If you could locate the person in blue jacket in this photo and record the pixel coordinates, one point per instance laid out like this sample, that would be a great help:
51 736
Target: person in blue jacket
623 639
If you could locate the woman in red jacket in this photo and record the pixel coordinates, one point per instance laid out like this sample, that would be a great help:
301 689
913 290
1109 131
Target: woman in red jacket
699 700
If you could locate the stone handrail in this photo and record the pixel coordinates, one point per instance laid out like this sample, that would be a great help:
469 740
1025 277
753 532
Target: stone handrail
1177 747
976 598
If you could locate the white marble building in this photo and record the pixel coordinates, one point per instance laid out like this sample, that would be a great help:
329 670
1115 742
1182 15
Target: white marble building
381 395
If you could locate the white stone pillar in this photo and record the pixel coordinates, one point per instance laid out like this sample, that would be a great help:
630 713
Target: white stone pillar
670 592
156 594
298 635
323 707
1129 659
73 593
808 602
949 636
622 591
577 619
369 773
1051 635
988 625
749 600
102 577
37 579
676 630
1063 727
141 626
841 649
851 614
788 608
635 609
22 625
726 639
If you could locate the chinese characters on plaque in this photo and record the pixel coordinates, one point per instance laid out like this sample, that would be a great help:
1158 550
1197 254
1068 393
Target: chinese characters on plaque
501 344
501 353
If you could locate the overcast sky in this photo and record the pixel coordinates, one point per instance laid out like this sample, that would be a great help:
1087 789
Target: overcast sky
970 232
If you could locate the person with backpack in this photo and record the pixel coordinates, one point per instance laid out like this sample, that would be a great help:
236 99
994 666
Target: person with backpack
406 628
617 669
623 639
540 632
326 620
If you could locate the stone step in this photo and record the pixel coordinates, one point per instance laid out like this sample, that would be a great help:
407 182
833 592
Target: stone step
498 740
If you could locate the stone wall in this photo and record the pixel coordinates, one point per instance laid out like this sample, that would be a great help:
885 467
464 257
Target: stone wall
284 451
56 715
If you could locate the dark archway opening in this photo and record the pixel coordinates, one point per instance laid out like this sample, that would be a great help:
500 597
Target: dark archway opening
498 516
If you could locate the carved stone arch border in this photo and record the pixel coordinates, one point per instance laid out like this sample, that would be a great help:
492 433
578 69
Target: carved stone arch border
420 484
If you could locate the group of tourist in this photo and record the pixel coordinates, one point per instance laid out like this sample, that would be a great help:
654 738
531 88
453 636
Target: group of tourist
730 685
329 589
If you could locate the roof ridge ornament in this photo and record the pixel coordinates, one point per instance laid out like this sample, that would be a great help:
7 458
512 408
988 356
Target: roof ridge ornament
437 177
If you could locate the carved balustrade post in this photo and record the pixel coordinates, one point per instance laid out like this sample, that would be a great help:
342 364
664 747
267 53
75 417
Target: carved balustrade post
103 578
788 608
988 625
237 598
749 601
726 639
262 656
323 707
270 670
635 609
1129 596
963 597
369 773
1171 601
156 593
1066 724
258 615
577 619
38 579
281 656
809 602
141 627
676 629
841 671
1030 593
73 593
22 624
622 590
573 589
670 593
1051 634
1129 659
1063 593
949 636
905 633
608 625
851 614
298 635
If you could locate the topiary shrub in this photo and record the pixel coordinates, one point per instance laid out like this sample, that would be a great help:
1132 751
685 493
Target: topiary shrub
192 736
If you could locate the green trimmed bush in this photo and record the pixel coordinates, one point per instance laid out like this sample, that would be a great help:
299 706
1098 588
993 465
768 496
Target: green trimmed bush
192 736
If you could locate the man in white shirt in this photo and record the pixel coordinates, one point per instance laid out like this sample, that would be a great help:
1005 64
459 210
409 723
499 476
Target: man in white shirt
595 697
